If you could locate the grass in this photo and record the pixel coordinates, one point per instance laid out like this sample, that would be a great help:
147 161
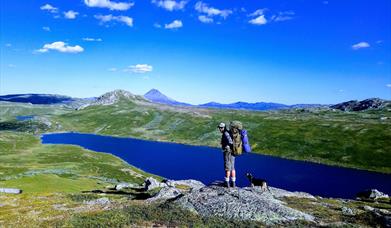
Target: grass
27 164
357 140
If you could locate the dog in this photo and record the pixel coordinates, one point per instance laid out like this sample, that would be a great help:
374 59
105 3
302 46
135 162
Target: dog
257 182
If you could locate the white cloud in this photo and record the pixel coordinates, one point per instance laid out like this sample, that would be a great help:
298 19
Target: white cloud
8 45
70 14
157 25
210 11
174 25
139 68
61 47
258 12
107 18
11 65
92 39
47 29
388 85
170 5
113 69
205 19
360 45
49 8
325 2
109 4
260 20
284 16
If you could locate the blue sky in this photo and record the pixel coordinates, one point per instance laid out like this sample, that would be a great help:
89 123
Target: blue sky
287 51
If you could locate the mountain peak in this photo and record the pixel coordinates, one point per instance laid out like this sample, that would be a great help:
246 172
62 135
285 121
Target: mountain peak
155 95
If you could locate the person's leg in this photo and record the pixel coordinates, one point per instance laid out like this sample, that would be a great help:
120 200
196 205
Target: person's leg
233 172
227 168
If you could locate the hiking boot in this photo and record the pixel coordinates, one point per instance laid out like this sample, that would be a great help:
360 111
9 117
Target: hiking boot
233 184
226 184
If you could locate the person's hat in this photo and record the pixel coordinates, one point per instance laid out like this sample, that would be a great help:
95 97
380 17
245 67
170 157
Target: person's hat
221 125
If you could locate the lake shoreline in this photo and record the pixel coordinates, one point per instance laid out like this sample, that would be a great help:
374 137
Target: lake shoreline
263 169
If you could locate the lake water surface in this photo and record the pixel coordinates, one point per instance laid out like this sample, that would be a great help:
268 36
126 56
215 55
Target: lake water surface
177 161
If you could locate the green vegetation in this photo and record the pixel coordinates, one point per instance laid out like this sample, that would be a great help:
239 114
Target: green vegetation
350 139
53 177
27 164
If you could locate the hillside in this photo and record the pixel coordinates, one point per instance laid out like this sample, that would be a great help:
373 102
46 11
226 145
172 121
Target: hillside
358 140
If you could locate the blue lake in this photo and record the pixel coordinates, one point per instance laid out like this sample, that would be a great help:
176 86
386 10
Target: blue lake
23 118
177 161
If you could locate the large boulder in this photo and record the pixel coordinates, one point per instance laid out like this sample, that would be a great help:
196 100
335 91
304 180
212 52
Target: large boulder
241 204
151 183
372 194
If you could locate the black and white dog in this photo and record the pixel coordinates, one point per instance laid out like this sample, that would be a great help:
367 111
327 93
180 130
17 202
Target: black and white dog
257 182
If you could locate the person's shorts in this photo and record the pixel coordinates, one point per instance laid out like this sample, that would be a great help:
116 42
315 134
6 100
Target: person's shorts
229 160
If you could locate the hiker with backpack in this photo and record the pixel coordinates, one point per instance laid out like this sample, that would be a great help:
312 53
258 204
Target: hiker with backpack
233 143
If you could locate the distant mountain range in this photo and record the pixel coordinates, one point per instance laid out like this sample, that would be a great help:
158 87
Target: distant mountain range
156 96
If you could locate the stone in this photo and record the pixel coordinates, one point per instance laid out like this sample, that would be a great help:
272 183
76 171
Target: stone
347 211
121 186
100 201
10 190
166 193
151 183
368 208
371 194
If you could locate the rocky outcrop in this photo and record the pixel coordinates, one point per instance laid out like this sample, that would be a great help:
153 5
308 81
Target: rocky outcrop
231 203
242 204
354 105
372 194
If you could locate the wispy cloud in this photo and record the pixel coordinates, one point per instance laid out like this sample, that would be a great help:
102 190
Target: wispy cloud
211 11
109 4
284 16
205 19
170 5
11 65
92 39
70 14
60 46
45 28
8 45
107 18
360 45
139 68
49 8
174 25
113 69
389 85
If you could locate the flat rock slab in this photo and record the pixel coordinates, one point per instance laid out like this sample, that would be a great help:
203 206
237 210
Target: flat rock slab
10 190
243 204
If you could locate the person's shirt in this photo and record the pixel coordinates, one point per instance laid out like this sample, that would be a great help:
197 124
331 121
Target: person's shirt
226 139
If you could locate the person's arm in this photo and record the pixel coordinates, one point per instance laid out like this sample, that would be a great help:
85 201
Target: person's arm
229 139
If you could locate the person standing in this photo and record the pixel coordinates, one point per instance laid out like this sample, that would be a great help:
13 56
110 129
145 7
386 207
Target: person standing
229 159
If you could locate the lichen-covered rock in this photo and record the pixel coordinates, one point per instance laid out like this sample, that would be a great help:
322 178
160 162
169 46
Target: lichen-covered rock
241 204
372 194
191 184
123 185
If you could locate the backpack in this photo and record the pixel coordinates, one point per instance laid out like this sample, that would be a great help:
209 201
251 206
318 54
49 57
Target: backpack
239 138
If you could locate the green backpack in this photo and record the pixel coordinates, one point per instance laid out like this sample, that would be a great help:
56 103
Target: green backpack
236 127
